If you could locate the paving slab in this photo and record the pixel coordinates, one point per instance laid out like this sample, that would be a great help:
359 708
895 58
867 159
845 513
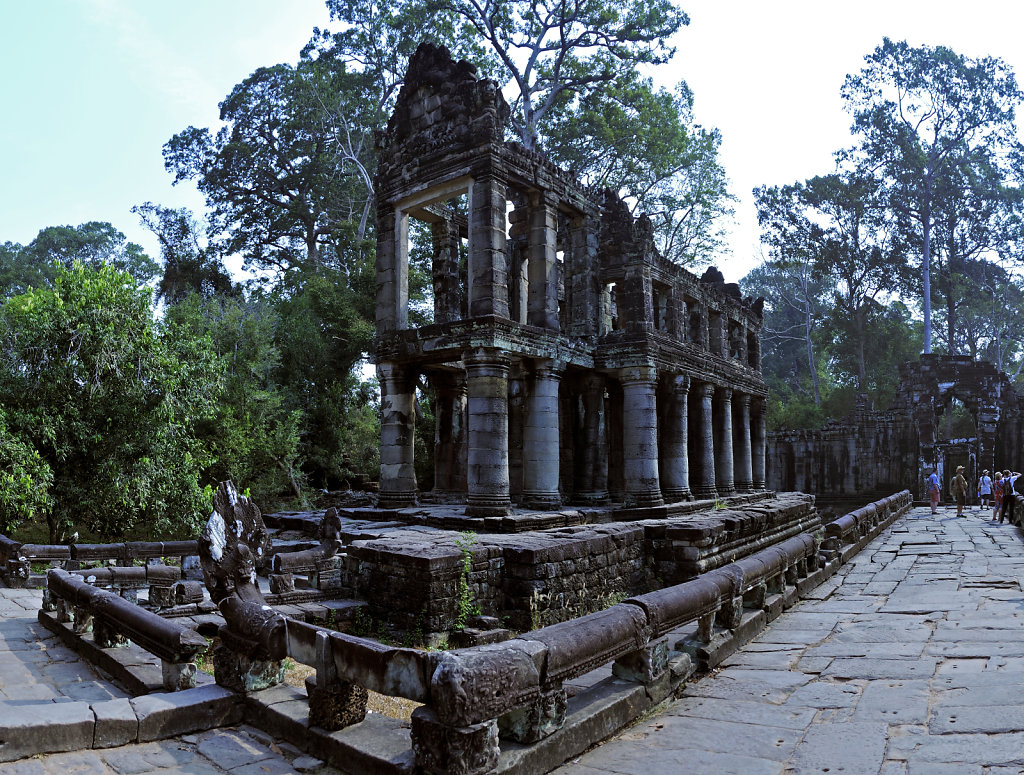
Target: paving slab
911 662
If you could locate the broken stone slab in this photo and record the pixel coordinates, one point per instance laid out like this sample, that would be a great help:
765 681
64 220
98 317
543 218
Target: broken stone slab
116 723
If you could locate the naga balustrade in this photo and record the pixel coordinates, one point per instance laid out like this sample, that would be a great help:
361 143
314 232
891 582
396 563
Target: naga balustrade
515 688
115 622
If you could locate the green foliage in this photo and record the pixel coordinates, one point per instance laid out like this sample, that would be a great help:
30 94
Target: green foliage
930 120
25 481
110 400
464 602
94 244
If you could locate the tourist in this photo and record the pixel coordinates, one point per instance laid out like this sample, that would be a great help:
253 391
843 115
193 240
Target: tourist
984 489
958 489
933 490
1010 493
1006 511
997 495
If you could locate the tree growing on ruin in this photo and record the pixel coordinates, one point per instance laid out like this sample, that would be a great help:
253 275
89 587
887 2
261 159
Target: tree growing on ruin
919 113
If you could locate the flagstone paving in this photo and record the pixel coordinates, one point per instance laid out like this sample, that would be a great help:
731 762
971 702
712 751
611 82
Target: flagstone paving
910 661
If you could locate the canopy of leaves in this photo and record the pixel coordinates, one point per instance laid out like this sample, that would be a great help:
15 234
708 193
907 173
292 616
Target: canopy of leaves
94 244
109 399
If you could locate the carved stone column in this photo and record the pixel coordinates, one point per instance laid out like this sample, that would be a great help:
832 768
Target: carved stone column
758 442
675 462
397 435
593 484
743 464
392 270
445 271
488 275
540 440
543 267
487 482
705 442
640 436
723 443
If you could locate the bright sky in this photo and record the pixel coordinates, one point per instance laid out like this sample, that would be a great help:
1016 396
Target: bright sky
92 89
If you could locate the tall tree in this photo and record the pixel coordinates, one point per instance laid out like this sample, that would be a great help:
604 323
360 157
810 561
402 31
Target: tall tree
189 266
677 178
919 110
840 222
550 50
279 189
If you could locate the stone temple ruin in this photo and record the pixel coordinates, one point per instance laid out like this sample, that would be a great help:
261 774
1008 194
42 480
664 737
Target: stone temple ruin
571 362
949 411
600 428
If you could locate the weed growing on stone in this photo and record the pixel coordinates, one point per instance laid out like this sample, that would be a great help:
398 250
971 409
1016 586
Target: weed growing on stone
465 605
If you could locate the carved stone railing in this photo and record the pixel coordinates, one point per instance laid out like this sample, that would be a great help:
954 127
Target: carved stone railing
16 558
115 621
515 689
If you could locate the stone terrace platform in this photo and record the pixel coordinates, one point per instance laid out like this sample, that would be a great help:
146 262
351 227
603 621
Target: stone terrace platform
910 661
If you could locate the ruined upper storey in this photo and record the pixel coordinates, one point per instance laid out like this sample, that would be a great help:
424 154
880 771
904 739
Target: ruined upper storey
552 266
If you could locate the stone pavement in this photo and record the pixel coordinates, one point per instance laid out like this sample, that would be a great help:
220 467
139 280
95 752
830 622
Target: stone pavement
35 670
910 661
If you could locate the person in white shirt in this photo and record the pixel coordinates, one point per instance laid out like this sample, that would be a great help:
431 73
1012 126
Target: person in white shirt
984 490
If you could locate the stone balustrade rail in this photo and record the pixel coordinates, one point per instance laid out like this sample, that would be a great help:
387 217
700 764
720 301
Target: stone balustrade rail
16 558
115 621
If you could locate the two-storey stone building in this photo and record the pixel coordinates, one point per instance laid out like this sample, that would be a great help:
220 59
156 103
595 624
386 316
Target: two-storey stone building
570 362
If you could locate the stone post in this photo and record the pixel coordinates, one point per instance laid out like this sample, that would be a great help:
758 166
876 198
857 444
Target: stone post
640 435
705 487
540 440
488 275
333 702
543 266
743 462
723 443
397 426
445 270
487 482
593 484
449 432
392 270
582 282
759 438
675 462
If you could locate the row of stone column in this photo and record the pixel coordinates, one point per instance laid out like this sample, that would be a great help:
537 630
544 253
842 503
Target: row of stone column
727 438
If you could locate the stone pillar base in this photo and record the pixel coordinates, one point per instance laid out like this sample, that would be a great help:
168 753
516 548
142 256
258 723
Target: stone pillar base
542 501
592 498
744 486
336 706
676 495
645 665
444 750
703 493
487 508
396 500
644 499
106 637
537 720
243 674
178 676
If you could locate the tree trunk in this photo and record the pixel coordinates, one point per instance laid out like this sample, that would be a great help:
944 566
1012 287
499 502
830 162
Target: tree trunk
810 346
926 258
859 326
